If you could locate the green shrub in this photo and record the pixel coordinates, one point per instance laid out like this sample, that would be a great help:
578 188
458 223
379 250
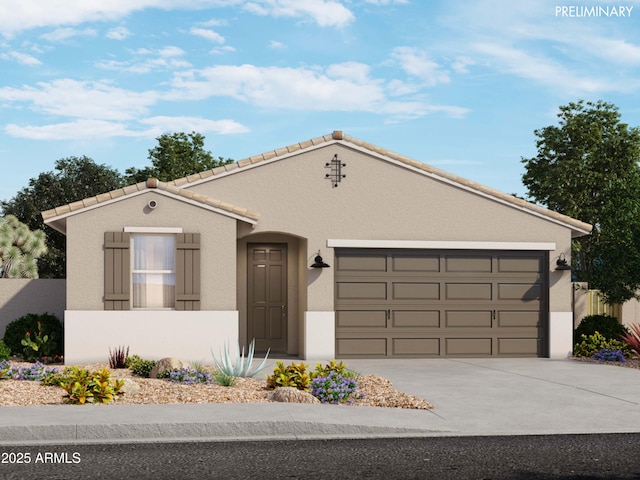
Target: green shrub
139 366
224 380
83 386
294 375
50 326
606 325
592 344
5 352
339 368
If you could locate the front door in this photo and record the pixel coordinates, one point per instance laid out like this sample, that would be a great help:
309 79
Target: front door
267 296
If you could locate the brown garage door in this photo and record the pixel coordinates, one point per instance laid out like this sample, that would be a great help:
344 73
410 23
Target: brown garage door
423 303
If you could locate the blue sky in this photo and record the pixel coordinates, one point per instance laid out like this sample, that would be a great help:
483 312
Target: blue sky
460 85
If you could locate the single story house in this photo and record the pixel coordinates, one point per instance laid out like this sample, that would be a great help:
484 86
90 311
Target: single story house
329 248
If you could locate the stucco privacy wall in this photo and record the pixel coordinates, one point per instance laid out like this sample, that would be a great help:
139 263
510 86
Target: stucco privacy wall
378 200
85 240
20 296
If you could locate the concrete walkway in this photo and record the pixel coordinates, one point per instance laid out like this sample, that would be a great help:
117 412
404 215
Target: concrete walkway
471 397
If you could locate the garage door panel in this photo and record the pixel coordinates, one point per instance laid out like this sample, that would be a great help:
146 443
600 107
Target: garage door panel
361 346
362 291
519 265
416 347
520 291
361 318
519 346
468 291
362 263
468 347
415 291
468 264
469 319
415 264
519 319
441 303
415 318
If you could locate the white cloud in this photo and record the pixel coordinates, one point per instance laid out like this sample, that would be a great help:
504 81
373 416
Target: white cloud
276 45
72 98
171 51
166 58
62 34
207 34
326 13
118 33
88 128
416 63
346 87
78 129
162 124
540 69
221 50
22 58
387 2
460 64
20 15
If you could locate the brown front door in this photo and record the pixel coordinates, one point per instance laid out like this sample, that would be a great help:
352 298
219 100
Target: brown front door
267 296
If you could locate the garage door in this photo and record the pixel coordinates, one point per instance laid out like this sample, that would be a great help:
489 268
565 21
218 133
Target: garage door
408 303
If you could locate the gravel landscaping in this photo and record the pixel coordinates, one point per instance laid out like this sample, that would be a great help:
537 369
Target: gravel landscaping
378 392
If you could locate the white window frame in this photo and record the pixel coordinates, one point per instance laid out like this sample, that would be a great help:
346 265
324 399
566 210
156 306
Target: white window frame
151 232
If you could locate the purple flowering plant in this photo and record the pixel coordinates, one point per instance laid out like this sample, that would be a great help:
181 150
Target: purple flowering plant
335 388
609 355
35 372
188 375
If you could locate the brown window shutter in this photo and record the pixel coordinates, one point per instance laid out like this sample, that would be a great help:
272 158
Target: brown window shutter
117 271
188 271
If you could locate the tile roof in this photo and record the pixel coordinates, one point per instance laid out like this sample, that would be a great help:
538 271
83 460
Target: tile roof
150 184
578 226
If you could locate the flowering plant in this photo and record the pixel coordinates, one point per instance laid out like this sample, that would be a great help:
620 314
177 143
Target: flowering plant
335 388
36 372
609 355
188 375
38 346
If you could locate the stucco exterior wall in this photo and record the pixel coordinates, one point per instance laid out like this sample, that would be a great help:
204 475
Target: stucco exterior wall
85 254
378 200
20 296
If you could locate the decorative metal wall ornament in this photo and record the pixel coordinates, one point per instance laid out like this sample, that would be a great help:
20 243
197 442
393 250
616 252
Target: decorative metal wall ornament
336 174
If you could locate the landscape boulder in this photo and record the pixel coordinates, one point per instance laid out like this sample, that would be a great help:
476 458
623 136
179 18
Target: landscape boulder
165 364
291 395
130 387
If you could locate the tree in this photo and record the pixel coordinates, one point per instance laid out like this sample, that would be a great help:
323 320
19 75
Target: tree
177 155
587 168
75 178
19 249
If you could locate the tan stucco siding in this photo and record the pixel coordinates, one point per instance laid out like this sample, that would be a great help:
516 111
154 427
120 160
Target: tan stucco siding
85 255
377 200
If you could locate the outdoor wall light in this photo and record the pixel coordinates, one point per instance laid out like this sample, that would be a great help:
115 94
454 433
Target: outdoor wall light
318 262
561 263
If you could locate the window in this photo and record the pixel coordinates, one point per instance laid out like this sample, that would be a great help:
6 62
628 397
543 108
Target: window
162 266
154 271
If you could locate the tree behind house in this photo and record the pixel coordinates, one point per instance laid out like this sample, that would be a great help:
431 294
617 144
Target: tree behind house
587 168
177 155
74 178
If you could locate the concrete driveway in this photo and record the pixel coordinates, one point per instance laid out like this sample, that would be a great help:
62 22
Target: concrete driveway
518 396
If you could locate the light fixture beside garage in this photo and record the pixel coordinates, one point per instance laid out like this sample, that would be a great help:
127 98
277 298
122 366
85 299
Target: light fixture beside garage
335 174
318 262
562 264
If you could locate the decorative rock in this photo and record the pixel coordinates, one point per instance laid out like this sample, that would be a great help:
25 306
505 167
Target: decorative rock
165 364
130 387
291 395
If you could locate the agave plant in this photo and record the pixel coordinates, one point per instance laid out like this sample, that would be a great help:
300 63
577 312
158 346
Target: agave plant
242 365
